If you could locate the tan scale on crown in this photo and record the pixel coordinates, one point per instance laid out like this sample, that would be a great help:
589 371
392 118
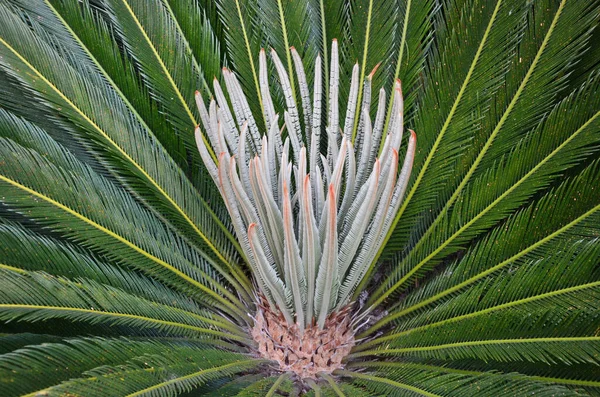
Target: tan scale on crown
307 354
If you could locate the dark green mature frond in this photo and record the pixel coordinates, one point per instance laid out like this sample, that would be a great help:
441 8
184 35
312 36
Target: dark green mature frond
477 60
195 25
270 386
243 39
568 350
37 296
579 378
83 28
483 176
23 249
399 379
124 145
105 215
154 40
162 368
292 24
227 387
12 342
160 376
518 294
65 360
414 33
535 278
345 388
42 366
527 237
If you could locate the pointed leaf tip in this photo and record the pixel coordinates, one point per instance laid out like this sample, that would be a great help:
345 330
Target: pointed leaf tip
374 71
398 85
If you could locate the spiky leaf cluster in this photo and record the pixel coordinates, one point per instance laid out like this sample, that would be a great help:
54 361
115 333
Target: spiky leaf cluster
309 227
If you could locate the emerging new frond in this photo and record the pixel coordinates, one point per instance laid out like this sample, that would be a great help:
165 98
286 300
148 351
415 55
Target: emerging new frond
309 224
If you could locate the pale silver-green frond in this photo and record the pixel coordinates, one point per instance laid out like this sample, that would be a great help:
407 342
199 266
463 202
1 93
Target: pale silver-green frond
309 223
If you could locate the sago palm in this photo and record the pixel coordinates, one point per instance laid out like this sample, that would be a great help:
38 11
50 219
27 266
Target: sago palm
282 198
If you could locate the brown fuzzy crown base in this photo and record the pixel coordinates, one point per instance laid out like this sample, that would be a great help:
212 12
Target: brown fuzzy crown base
310 353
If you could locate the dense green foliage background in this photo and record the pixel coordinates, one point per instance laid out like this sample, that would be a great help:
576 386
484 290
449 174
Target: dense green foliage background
119 273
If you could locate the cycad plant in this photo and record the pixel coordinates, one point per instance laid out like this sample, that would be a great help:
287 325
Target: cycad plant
260 197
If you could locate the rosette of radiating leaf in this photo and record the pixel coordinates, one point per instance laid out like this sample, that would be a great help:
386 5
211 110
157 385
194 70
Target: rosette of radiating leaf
121 271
